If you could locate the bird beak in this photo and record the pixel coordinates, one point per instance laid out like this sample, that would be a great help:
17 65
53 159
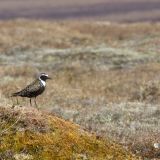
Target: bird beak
49 78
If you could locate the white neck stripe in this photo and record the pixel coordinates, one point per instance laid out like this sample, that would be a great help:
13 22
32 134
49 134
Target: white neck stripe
43 82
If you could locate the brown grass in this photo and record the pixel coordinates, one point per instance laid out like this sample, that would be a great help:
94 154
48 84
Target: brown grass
105 76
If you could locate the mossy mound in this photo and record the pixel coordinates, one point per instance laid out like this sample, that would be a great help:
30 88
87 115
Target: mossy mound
26 133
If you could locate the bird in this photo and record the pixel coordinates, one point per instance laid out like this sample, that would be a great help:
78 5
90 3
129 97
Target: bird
34 89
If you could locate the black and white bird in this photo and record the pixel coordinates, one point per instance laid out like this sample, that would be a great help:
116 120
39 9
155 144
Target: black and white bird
34 89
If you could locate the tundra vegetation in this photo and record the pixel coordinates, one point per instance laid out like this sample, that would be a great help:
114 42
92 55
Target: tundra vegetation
105 78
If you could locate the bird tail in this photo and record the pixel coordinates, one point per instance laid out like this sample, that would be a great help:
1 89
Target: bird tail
15 94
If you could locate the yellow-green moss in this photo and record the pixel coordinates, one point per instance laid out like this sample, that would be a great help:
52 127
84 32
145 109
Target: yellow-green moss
62 140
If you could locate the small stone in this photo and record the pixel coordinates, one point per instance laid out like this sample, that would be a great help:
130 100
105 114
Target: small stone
157 145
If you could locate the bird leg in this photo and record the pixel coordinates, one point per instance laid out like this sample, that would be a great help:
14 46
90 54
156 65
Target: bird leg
17 100
35 102
13 105
30 100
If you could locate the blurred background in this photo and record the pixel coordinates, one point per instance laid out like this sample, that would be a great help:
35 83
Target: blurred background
115 10
103 56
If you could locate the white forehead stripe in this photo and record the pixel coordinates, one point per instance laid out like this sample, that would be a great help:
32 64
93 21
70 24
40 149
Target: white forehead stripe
43 74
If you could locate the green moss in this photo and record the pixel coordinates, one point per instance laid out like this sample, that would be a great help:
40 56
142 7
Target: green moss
63 140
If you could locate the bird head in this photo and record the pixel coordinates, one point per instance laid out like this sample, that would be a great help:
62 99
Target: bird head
44 76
